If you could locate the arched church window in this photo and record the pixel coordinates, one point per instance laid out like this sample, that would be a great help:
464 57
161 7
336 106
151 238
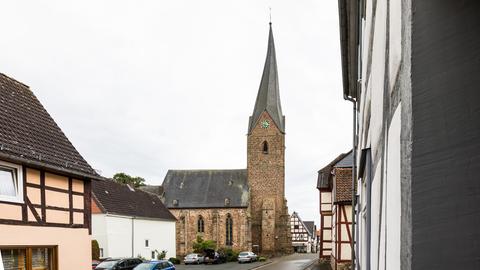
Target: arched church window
200 225
265 147
229 231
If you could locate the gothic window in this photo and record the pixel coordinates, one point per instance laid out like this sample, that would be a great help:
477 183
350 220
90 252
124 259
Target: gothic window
200 225
265 147
229 231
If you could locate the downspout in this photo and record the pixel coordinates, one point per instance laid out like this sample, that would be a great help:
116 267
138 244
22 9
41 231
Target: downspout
133 236
354 177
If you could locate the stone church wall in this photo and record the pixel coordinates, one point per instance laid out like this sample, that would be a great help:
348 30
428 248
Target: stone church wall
214 228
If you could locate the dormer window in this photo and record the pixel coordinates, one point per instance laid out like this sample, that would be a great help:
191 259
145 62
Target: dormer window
265 147
175 202
227 202
11 185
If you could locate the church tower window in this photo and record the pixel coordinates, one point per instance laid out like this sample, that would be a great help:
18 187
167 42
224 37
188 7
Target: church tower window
265 147
229 231
200 225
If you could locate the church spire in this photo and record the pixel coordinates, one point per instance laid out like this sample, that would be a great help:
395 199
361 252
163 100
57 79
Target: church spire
268 97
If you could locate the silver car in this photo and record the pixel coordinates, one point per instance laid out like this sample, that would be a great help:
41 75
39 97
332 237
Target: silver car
193 258
247 256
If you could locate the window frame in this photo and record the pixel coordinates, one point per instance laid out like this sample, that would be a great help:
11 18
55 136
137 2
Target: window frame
18 182
28 255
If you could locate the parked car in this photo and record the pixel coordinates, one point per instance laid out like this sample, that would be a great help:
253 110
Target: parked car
155 265
193 258
94 264
247 256
119 264
213 257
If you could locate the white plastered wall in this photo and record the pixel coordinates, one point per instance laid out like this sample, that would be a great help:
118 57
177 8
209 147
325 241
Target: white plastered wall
114 235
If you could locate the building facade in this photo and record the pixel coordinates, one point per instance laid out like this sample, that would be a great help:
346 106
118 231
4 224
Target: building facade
411 70
44 188
303 234
261 213
128 222
335 187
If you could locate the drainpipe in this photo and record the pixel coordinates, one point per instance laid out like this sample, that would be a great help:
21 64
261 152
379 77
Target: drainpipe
354 176
133 237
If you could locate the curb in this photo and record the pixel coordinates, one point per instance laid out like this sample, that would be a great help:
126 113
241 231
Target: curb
260 266
308 267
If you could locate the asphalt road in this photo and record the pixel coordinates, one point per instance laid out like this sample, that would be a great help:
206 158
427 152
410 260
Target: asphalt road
291 262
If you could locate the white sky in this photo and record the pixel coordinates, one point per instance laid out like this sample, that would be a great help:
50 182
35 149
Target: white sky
146 86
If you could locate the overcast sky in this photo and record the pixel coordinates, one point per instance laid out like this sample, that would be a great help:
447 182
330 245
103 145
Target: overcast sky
146 86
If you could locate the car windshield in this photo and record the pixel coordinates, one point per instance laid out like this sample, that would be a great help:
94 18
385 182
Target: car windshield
107 264
145 266
191 256
243 253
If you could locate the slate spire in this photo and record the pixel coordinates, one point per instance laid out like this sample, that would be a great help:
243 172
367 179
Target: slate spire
268 97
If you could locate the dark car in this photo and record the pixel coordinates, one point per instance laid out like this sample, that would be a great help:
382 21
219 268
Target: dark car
211 256
155 265
119 264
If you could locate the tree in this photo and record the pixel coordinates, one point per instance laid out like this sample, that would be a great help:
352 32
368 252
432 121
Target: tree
124 178
95 250
200 245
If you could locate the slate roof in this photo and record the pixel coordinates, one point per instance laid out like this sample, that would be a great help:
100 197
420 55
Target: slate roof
268 97
310 225
324 179
206 188
29 135
346 161
157 190
120 199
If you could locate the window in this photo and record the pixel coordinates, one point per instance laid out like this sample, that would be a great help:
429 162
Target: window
227 202
28 258
153 254
265 147
175 202
11 182
200 225
146 243
229 230
101 253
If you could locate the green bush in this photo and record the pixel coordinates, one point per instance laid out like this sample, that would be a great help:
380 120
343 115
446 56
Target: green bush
200 245
95 250
231 254
161 255
262 259
174 260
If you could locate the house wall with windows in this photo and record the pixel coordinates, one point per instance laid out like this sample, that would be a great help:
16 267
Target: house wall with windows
45 188
40 209
124 236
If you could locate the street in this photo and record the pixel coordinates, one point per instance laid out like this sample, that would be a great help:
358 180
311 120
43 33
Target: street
291 262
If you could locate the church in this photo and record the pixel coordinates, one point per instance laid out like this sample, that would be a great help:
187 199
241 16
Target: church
243 209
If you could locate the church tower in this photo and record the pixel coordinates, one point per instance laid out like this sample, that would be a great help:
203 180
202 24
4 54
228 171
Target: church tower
266 164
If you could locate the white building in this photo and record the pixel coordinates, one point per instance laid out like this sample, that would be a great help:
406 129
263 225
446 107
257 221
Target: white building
303 234
128 222
411 69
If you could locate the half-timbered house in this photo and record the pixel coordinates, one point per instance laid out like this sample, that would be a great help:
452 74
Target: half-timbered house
335 187
44 188
302 234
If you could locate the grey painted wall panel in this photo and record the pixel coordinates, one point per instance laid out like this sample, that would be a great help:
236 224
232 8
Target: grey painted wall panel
446 134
